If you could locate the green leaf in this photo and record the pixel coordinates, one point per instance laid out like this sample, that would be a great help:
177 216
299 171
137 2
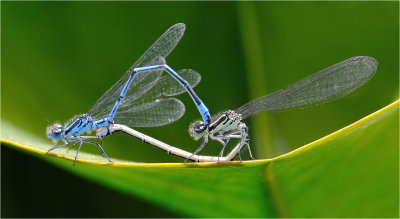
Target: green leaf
353 172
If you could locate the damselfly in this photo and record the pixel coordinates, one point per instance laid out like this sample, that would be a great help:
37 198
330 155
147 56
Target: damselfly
141 98
327 85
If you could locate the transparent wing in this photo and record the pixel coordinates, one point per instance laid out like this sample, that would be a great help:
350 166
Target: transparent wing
141 83
154 108
327 85
157 113
167 86
161 48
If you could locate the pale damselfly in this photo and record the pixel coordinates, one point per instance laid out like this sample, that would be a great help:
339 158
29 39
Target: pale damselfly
327 85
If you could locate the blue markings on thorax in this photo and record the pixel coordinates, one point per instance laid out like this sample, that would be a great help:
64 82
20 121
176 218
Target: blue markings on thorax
83 124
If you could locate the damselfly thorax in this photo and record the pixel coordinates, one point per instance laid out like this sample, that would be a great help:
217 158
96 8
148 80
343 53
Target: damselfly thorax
223 127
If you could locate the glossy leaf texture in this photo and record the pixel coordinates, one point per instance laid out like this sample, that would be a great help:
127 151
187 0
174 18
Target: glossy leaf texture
353 172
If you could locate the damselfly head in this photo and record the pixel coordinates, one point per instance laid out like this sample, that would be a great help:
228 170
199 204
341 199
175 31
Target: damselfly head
196 130
54 131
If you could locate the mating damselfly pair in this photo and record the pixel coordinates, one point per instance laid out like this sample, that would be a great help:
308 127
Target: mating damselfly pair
144 98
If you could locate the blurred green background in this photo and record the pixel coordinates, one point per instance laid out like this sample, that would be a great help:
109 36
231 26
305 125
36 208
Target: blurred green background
58 58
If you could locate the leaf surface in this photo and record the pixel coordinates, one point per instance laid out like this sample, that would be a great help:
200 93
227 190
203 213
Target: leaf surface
350 173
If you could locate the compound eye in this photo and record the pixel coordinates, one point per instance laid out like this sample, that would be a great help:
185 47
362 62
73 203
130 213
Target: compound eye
198 127
56 129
